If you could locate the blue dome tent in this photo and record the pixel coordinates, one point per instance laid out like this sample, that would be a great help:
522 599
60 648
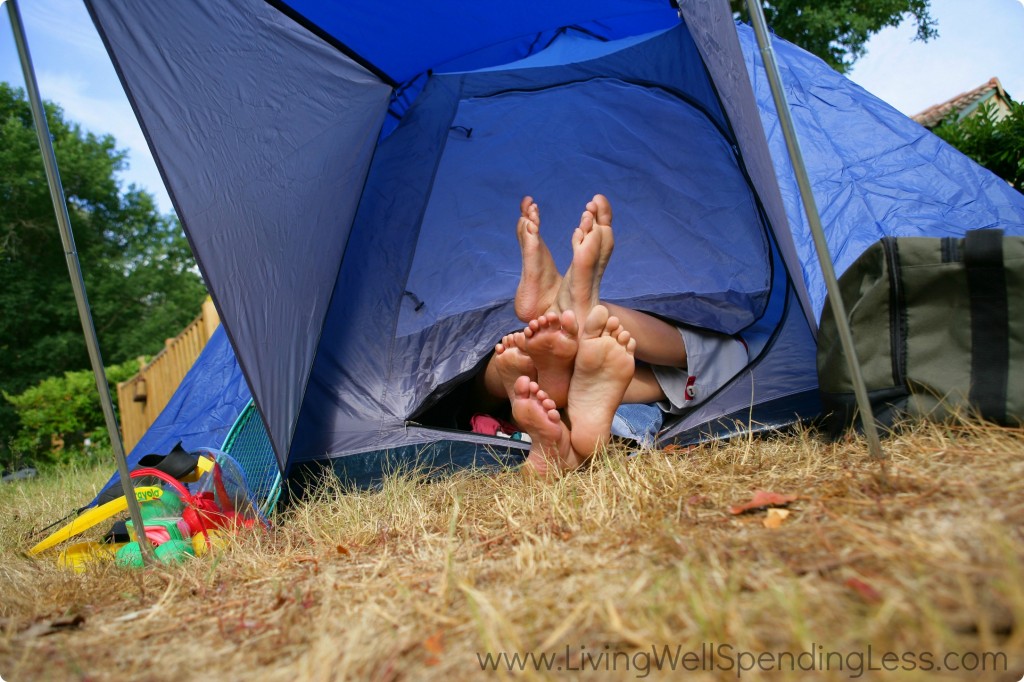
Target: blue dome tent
348 176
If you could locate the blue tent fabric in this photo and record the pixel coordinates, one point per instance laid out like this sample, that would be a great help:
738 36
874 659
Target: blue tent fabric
884 175
348 174
204 407
452 308
714 31
400 39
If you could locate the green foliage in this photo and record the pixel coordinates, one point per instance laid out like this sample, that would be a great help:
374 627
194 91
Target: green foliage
837 30
58 414
996 144
140 278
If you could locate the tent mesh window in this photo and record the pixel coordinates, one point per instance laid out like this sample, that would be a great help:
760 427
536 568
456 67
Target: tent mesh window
249 445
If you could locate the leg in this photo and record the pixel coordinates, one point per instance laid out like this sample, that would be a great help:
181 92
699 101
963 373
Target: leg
644 388
539 282
604 368
551 450
550 342
592 244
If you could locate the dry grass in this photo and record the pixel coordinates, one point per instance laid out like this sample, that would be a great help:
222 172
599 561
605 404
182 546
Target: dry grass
415 580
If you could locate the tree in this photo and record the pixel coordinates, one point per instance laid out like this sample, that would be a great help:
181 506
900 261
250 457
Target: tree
139 273
996 144
837 30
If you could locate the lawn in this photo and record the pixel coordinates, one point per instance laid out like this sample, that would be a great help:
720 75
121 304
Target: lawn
638 567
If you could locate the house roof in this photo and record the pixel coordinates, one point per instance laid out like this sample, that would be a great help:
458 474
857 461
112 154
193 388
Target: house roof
935 114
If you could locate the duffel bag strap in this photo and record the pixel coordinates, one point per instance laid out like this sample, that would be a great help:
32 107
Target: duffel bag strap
990 326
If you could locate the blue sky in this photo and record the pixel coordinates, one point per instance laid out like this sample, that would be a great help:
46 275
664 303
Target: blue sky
977 39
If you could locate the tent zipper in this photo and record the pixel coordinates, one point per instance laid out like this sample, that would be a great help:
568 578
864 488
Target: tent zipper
444 429
897 319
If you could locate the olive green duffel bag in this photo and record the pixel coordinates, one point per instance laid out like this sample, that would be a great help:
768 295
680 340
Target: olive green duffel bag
938 326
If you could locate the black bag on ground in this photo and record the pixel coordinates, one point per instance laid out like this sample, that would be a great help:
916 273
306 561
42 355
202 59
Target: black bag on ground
938 326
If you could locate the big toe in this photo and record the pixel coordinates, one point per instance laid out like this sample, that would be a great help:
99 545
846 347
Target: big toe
525 204
601 208
596 320
569 323
522 387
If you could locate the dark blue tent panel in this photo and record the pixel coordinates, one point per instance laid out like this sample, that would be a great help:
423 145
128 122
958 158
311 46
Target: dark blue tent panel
263 133
401 39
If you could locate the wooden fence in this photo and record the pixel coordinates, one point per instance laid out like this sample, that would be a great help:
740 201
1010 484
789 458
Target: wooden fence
143 397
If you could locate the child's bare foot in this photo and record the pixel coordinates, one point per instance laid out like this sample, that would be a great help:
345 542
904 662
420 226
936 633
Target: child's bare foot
592 245
604 367
512 362
551 342
551 446
540 281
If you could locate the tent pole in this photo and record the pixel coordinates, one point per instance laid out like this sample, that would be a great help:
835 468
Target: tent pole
771 67
75 270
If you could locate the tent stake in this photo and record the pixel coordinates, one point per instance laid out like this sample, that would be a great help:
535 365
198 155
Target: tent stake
75 270
771 68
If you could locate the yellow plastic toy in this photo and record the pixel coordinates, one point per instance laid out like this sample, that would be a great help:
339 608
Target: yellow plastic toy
90 518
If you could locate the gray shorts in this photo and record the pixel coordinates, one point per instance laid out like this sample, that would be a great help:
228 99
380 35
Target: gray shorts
711 360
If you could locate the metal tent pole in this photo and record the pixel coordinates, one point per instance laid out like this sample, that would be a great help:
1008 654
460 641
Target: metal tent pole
771 67
75 270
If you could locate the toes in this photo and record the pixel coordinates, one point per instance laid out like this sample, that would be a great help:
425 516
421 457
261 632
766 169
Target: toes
529 221
546 322
525 228
569 324
522 387
537 393
586 222
595 323
601 208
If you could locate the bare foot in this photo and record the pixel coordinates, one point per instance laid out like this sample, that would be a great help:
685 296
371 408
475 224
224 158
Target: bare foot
603 370
551 342
592 245
539 281
551 446
512 362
